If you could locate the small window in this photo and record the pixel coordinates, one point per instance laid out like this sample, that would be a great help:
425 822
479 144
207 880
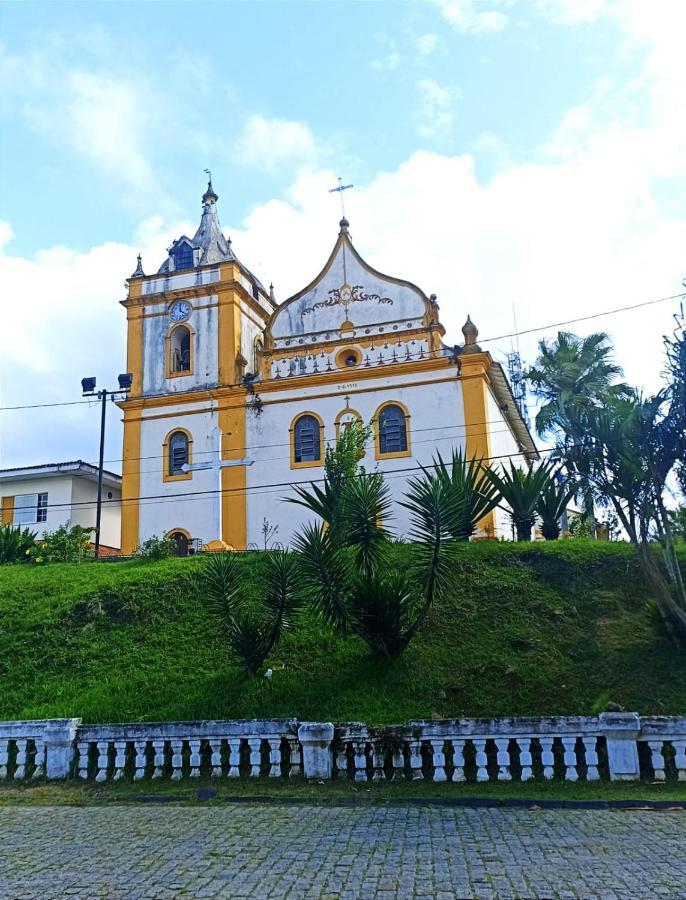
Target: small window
392 430
180 350
183 257
258 347
30 509
178 453
307 441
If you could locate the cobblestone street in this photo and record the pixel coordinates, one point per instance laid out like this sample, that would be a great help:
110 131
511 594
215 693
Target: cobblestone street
252 850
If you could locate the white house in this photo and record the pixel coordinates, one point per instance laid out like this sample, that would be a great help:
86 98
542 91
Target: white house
41 498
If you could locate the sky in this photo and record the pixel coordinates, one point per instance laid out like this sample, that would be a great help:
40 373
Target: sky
516 157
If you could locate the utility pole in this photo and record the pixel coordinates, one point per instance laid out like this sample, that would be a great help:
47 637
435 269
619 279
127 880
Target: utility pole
88 390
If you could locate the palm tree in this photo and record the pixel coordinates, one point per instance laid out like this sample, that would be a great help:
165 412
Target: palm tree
573 375
521 490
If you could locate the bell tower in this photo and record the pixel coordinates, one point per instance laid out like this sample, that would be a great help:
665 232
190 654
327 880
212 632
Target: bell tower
192 332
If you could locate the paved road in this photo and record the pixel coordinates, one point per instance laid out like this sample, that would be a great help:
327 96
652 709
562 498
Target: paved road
261 851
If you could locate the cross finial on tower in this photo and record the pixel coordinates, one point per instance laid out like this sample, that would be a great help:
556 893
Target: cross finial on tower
209 196
339 190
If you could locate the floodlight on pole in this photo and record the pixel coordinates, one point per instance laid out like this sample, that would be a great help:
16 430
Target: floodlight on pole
88 385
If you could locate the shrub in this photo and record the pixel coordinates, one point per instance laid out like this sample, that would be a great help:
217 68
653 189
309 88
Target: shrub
15 544
155 548
68 543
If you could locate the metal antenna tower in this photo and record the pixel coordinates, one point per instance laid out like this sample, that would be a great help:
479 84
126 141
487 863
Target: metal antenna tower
516 373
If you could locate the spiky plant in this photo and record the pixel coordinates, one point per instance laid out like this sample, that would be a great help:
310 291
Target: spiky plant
473 495
551 505
521 489
15 543
252 633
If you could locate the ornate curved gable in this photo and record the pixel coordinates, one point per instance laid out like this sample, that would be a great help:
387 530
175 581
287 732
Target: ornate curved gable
347 292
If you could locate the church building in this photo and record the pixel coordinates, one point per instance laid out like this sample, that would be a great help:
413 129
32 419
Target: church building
235 396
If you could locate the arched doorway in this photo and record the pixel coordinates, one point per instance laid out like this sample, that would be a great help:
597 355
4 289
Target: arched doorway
181 541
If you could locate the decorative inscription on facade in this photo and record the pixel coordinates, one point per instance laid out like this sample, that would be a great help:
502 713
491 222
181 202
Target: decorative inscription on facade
344 296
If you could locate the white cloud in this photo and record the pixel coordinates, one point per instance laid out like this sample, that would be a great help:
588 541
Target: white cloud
469 17
434 114
426 44
386 63
270 143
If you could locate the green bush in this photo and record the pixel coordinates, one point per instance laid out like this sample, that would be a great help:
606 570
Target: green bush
15 544
155 548
65 544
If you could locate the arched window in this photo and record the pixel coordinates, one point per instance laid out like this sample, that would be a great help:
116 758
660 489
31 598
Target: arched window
307 440
180 350
392 431
178 452
181 542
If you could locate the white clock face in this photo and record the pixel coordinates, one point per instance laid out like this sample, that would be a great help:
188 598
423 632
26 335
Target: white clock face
180 311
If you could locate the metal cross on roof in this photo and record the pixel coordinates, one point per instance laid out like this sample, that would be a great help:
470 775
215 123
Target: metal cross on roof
339 190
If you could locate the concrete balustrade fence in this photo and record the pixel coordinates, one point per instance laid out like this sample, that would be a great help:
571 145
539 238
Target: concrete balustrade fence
609 747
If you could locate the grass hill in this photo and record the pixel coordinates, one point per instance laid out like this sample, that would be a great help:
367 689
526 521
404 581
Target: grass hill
557 628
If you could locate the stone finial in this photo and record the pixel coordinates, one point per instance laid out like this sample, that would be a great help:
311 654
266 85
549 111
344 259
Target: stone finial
344 225
272 297
470 332
139 273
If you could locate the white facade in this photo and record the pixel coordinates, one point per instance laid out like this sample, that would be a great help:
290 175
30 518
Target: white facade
43 498
346 346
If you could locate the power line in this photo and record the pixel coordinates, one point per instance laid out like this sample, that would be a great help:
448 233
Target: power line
487 340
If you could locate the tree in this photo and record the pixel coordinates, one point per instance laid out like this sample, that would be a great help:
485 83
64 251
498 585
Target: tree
472 495
252 633
343 560
522 491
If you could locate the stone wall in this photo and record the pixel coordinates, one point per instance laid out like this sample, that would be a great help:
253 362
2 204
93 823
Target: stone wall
610 747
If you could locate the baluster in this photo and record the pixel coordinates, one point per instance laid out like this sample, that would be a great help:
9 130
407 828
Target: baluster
20 762
82 747
438 759
103 760
416 760
294 744
274 757
378 762
503 759
458 759
119 759
398 764
177 758
215 757
591 755
158 758
547 758
570 761
195 757
235 758
141 760
481 759
680 759
4 754
255 756
39 759
525 758
342 760
657 759
360 747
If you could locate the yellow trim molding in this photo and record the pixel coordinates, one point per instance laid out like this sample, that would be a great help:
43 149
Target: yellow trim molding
166 475
131 482
474 380
344 353
377 437
313 463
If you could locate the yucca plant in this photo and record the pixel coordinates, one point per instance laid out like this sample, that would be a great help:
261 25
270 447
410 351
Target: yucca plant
252 633
473 495
343 560
551 505
15 543
521 489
